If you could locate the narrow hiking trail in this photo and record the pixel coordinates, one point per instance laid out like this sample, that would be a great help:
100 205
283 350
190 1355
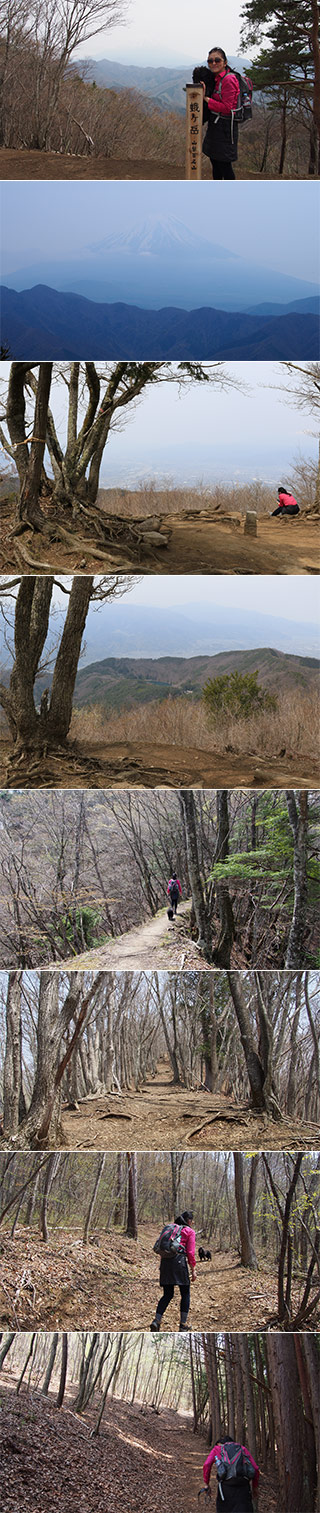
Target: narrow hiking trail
143 1461
113 1283
147 945
162 1116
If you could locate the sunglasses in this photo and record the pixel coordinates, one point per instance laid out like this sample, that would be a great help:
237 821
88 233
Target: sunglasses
214 59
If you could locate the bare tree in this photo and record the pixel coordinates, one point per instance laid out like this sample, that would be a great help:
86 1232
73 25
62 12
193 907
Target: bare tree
33 728
97 399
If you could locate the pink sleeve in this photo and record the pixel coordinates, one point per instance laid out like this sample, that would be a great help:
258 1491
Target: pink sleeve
229 97
255 1482
188 1238
179 885
209 1463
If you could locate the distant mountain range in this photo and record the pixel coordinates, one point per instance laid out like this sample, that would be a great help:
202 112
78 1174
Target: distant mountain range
165 86
160 262
126 629
122 683
43 323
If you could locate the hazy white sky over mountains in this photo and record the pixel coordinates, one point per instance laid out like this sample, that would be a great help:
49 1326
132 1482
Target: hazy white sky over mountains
167 34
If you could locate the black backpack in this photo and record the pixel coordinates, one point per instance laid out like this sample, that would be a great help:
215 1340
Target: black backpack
234 1464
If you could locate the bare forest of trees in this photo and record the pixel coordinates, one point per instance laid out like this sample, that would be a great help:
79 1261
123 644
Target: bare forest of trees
248 861
262 1212
263 1389
68 1040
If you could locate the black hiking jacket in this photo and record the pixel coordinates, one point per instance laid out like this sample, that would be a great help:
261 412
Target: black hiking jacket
221 139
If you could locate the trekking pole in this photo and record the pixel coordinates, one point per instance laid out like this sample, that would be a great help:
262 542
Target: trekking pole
194 103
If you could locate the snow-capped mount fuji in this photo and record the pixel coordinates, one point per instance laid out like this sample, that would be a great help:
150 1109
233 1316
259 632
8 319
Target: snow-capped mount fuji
159 236
159 262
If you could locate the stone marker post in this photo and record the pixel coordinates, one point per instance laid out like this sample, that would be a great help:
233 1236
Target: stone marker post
194 102
250 524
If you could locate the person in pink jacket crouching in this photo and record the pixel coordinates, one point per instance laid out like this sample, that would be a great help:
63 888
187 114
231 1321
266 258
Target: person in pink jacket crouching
287 503
234 1494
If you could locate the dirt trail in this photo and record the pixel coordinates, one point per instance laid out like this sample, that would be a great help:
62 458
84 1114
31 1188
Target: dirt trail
162 1116
142 1462
147 945
113 1283
139 764
196 545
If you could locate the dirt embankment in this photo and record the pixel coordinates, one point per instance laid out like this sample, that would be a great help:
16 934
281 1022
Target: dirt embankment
142 1462
113 1283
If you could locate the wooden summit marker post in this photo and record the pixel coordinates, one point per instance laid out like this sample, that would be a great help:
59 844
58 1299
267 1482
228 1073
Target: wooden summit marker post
194 103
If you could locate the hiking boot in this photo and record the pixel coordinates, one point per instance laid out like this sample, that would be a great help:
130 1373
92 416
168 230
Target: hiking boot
184 1329
155 1326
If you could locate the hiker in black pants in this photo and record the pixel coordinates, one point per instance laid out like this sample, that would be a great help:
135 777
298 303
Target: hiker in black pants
235 1494
174 891
221 91
174 1272
287 503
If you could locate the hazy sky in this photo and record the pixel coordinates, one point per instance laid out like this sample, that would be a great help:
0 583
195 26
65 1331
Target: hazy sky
166 32
292 598
202 415
272 224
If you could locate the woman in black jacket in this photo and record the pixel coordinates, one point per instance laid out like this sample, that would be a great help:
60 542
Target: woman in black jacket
221 91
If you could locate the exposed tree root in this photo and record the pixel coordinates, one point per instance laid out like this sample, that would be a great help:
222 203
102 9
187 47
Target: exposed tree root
25 764
109 539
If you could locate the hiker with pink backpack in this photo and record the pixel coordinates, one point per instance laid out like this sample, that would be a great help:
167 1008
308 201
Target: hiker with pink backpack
176 1246
227 104
237 1475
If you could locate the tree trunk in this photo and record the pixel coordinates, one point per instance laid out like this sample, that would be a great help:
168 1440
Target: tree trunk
51 1361
283 134
298 819
65 671
63 1373
247 1251
253 1063
12 1057
222 951
252 1193
29 499
109 1045
316 63
286 1400
188 810
52 1168
132 1214
100 1170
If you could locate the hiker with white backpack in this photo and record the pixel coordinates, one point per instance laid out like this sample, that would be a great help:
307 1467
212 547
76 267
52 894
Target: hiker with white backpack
237 1475
176 1246
226 104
